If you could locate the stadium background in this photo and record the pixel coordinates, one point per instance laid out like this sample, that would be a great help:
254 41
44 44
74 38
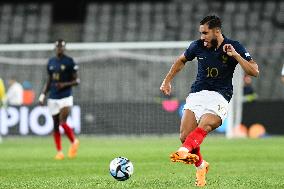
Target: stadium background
119 93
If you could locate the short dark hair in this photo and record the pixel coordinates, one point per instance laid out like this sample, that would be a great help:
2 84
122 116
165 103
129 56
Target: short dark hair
60 43
212 21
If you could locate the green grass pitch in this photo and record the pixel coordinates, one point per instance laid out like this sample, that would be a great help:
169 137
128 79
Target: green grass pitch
237 163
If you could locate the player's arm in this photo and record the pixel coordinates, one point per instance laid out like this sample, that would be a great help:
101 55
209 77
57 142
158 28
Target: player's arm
176 67
250 67
73 82
45 90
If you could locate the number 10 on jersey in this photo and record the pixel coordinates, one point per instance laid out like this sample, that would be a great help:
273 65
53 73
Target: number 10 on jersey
212 72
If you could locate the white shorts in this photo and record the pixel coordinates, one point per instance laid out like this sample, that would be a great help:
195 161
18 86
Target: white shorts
207 102
55 105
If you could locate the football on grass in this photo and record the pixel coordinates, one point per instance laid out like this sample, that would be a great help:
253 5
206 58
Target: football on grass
121 168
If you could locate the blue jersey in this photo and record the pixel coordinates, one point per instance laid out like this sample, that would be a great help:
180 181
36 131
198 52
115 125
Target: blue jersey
215 67
61 70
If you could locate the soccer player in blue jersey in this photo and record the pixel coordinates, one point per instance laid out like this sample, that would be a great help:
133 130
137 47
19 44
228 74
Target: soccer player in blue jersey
62 76
207 104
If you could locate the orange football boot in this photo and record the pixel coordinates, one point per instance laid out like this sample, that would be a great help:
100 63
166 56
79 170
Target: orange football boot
201 175
59 156
184 157
73 149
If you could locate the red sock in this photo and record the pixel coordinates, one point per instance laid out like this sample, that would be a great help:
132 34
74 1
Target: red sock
197 152
194 139
68 131
57 140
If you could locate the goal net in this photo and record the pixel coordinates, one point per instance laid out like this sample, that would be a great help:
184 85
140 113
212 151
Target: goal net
119 91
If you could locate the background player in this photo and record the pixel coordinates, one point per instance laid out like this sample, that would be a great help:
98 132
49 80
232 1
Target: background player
3 98
207 104
62 75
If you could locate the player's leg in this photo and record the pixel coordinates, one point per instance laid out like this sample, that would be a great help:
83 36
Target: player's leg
57 137
208 123
216 108
64 112
188 124
54 111
214 111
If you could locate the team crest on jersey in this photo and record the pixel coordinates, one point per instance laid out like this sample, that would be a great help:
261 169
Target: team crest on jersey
224 59
62 67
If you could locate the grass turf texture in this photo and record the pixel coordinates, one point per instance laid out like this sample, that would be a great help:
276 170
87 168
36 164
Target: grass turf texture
236 163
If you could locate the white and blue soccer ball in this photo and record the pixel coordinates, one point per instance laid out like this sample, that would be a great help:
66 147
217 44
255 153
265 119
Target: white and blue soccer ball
121 168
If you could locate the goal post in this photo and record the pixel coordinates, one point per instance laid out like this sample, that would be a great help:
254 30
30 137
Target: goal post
119 92
236 103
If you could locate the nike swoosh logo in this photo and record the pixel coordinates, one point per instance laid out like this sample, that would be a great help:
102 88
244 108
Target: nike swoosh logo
195 141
